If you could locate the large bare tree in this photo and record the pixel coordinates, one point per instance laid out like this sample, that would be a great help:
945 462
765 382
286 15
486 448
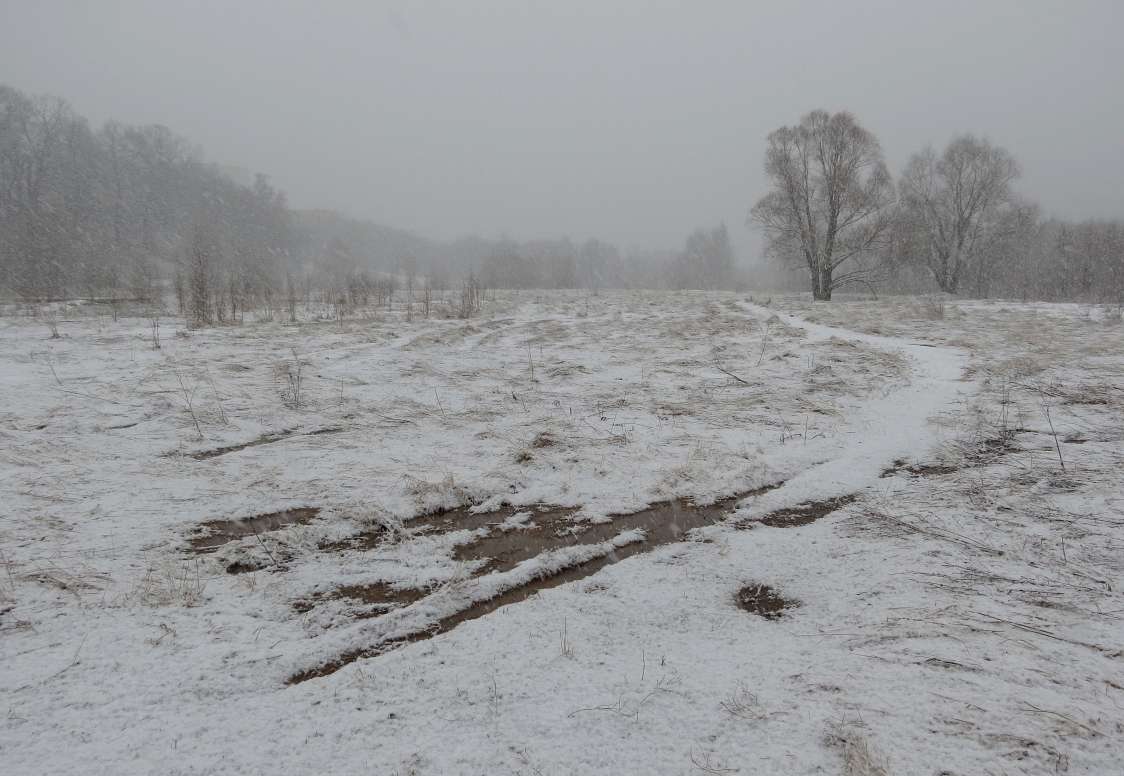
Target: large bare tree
958 204
831 201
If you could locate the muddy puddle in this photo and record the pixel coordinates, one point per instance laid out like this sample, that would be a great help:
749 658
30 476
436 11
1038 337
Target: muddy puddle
373 600
213 535
514 535
763 601
264 439
802 514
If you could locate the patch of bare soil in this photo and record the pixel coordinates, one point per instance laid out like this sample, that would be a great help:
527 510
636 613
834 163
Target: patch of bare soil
803 514
763 601
920 469
510 541
375 599
211 536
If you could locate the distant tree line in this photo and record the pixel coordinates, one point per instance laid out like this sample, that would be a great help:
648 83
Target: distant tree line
102 213
125 214
342 246
953 221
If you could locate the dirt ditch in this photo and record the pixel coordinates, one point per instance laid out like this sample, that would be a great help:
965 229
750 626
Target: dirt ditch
516 535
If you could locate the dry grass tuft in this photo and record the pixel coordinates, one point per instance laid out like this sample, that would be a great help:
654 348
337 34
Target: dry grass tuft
857 758
437 496
290 387
169 582
544 439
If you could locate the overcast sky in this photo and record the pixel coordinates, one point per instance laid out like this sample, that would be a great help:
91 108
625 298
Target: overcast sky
633 122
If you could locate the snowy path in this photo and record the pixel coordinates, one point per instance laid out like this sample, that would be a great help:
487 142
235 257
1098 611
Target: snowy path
883 430
875 434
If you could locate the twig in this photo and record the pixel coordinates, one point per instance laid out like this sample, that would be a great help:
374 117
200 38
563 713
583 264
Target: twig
258 537
705 764
187 397
53 372
74 659
1035 710
764 342
725 371
1047 634
222 413
1046 408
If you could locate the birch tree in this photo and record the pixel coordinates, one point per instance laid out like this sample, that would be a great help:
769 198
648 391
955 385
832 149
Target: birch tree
832 200
958 204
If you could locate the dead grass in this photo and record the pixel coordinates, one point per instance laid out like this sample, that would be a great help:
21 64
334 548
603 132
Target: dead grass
165 582
1011 553
857 757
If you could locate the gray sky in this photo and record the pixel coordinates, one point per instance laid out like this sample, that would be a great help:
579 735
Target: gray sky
634 122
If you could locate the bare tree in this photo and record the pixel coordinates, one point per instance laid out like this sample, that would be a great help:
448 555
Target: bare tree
707 261
200 281
291 296
958 203
831 201
472 295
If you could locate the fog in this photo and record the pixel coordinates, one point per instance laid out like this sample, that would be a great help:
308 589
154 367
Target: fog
631 122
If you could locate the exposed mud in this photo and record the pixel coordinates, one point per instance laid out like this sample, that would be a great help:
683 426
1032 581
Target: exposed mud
211 536
479 609
763 601
362 542
803 514
264 439
513 538
375 599
920 469
245 567
510 543
990 450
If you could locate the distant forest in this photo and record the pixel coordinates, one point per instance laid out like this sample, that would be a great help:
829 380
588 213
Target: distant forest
126 214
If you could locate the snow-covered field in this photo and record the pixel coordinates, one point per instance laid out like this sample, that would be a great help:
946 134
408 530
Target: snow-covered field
959 612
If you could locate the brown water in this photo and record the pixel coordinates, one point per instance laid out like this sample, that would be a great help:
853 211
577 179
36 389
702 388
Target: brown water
211 536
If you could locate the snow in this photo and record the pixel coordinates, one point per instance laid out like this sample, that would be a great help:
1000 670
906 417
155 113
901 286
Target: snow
961 622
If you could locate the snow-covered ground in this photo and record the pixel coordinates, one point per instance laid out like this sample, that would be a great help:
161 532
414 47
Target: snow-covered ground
960 615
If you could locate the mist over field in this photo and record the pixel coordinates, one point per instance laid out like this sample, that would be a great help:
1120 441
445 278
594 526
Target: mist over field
588 387
574 146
